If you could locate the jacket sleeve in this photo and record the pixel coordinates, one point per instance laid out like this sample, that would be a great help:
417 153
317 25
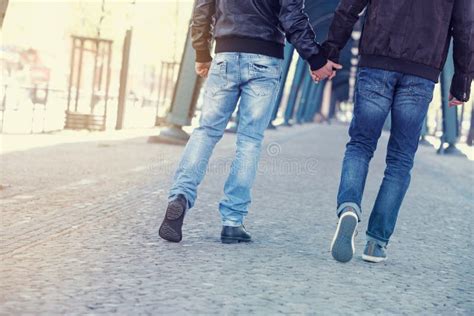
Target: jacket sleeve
201 29
462 28
346 15
299 32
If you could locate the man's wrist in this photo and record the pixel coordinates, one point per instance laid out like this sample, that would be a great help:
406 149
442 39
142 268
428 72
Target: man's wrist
461 87
331 52
317 61
203 56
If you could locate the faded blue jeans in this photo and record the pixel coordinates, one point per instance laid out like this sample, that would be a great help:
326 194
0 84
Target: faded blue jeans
255 80
378 93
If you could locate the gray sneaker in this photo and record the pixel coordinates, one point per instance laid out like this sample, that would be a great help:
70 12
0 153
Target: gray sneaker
373 252
342 246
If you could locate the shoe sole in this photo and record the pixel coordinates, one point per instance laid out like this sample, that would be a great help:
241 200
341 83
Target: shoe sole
342 246
373 259
170 229
229 240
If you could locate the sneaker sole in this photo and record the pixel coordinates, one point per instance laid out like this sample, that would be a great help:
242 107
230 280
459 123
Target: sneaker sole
373 259
170 229
342 246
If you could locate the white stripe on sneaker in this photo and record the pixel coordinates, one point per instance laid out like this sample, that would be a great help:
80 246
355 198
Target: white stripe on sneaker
373 259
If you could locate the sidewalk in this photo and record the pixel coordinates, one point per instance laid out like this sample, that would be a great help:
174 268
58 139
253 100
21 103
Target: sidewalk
18 142
80 220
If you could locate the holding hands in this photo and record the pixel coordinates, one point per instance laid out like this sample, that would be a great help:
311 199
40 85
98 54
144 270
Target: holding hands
453 101
327 71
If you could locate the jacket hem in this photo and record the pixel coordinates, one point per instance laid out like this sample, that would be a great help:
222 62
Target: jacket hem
249 45
400 65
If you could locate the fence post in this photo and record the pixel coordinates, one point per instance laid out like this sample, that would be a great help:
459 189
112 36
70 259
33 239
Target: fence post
314 101
326 100
450 119
295 87
185 97
3 11
307 86
289 49
122 96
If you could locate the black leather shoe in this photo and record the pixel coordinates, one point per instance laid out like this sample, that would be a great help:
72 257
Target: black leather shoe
232 235
171 227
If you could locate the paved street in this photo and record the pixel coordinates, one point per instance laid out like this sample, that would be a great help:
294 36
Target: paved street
79 234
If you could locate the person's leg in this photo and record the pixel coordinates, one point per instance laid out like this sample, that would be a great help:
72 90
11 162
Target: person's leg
221 94
260 80
373 99
412 98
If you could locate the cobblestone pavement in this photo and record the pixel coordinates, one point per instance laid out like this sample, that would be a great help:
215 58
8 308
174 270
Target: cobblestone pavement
79 234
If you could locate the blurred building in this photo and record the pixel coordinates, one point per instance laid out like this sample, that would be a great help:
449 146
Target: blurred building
35 56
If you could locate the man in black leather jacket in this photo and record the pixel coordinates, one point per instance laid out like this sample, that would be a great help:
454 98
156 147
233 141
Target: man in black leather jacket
250 37
403 49
254 26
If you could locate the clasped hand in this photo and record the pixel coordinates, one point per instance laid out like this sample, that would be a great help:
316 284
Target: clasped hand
327 71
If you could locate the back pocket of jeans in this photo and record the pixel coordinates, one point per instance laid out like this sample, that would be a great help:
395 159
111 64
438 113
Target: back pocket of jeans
264 77
217 77
421 88
263 69
370 82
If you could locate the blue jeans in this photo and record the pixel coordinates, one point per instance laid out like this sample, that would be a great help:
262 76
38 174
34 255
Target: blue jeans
255 80
378 93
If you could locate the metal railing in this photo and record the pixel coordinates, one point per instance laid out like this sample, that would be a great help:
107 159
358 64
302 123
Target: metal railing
31 109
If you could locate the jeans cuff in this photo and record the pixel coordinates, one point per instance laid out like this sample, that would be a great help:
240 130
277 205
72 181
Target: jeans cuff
377 241
349 204
226 222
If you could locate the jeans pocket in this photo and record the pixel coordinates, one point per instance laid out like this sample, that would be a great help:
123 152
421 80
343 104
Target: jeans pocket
370 82
266 66
422 89
264 75
217 78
